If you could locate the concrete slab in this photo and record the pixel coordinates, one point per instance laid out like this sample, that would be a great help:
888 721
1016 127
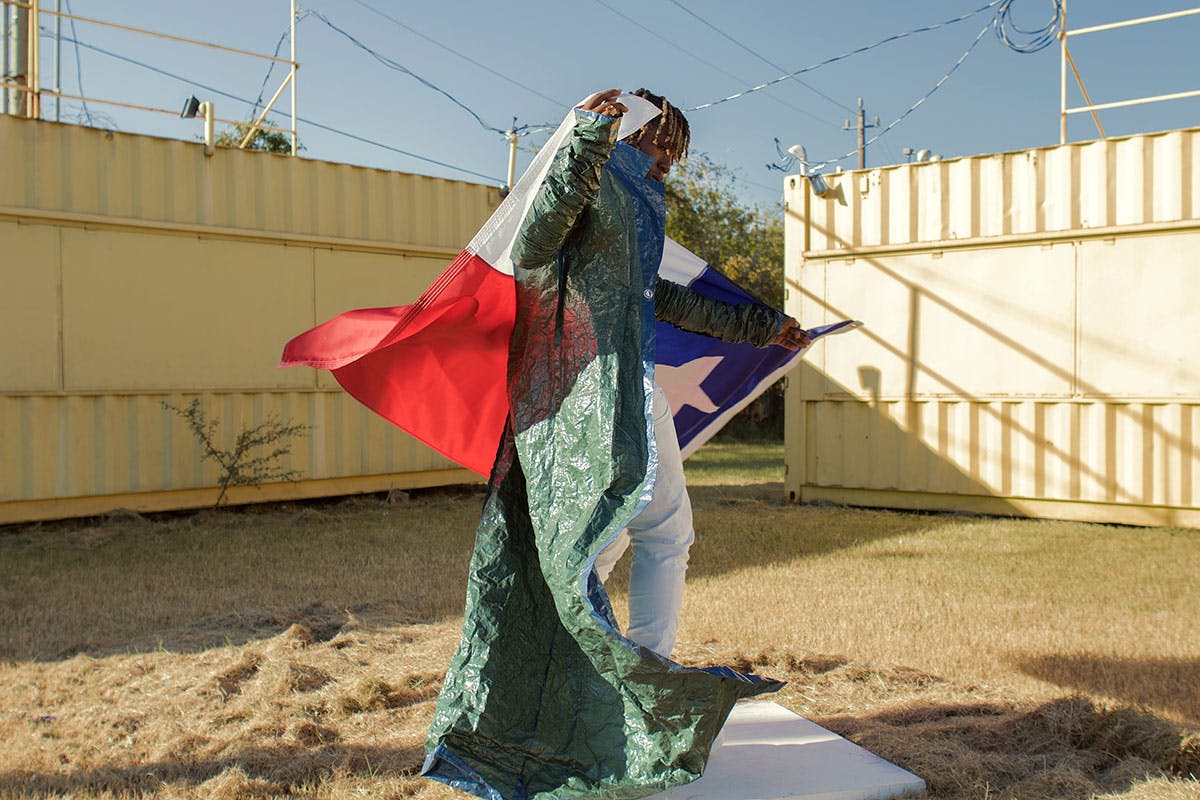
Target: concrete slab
766 752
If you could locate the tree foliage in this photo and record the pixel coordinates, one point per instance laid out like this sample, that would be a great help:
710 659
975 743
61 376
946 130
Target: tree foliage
705 216
268 141
744 242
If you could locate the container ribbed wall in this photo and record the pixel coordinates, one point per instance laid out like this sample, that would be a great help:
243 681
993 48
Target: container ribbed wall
138 271
1030 329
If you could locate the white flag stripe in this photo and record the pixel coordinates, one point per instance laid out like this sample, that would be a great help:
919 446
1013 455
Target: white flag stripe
494 241
680 265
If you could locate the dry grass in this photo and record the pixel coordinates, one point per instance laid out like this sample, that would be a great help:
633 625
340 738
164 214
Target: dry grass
295 650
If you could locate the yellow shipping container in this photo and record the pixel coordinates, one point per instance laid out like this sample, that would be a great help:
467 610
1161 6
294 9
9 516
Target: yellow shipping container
1030 319
137 271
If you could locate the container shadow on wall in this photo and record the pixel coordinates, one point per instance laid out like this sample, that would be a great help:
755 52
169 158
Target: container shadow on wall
1042 355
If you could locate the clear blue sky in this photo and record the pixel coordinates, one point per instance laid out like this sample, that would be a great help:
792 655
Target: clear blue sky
998 100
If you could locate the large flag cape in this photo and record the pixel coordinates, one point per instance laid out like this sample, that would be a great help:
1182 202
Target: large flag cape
437 368
545 698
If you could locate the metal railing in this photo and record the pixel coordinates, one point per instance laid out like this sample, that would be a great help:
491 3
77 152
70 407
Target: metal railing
22 73
1067 60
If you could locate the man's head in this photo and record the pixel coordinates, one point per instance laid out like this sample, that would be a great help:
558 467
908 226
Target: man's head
666 138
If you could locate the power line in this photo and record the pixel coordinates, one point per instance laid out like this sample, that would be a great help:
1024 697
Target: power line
758 55
849 53
447 48
278 46
87 114
911 109
396 65
705 62
1039 39
306 121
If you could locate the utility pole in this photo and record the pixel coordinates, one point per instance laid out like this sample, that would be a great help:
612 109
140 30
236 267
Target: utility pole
510 136
862 133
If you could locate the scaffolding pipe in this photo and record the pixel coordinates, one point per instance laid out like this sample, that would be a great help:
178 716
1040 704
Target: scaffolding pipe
57 60
295 140
1131 22
33 100
18 59
257 125
1062 89
4 57
131 29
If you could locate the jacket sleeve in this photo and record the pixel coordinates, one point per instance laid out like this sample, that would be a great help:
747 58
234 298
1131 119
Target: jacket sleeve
692 311
571 185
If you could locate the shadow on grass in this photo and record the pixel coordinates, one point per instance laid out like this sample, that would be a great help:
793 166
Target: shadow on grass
184 583
276 769
1169 683
740 526
1067 749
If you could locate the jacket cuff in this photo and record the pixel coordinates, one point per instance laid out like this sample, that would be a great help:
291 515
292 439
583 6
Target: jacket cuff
592 126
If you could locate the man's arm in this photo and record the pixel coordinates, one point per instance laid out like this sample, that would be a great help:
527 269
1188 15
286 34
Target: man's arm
746 322
572 184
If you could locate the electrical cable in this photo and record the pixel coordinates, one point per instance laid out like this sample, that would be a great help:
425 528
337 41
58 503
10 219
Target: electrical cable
306 121
278 46
87 114
759 56
813 166
849 53
396 65
1039 39
707 63
557 103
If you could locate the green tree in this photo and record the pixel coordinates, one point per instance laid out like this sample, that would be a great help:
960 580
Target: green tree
269 141
744 242
705 216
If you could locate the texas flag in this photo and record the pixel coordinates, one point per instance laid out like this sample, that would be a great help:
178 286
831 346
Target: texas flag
706 380
438 368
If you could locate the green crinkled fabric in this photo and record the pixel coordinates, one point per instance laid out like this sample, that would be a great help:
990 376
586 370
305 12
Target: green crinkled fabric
544 698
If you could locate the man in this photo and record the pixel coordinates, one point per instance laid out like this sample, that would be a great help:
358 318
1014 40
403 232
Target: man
545 697
662 534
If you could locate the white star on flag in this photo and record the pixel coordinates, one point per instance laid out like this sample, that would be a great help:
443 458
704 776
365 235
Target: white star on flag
682 384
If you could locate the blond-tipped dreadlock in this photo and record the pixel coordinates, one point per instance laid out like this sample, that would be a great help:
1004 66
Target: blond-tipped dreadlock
669 129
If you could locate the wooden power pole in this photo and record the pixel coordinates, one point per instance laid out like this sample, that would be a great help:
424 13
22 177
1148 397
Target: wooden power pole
861 125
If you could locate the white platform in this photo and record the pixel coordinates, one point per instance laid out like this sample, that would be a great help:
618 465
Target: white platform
766 752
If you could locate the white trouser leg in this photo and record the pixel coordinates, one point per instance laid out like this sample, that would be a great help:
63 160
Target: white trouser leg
660 538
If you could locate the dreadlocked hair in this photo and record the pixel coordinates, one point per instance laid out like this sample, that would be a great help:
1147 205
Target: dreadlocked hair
670 128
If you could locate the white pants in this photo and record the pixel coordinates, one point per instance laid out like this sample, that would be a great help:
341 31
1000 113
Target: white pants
660 538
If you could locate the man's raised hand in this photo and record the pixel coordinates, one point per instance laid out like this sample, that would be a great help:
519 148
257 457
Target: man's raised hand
602 102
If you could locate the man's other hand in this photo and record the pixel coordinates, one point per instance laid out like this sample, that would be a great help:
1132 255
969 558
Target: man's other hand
791 335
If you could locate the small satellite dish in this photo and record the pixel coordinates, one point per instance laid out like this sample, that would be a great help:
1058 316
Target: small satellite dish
923 154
